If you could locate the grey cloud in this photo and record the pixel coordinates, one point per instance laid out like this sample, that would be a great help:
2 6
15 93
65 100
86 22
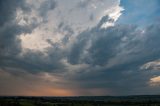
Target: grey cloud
35 62
82 41
83 4
8 9
91 17
77 48
113 56
19 83
10 45
46 6
128 46
9 29
66 30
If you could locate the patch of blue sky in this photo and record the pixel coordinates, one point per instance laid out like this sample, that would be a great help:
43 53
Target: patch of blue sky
140 12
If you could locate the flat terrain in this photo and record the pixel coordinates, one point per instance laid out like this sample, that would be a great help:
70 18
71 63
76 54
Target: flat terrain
82 101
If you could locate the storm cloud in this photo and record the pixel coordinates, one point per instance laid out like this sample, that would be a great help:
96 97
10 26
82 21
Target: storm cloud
121 59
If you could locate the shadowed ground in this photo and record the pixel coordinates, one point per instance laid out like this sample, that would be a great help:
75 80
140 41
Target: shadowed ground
82 101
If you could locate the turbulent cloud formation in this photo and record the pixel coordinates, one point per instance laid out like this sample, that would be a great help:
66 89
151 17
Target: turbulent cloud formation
59 48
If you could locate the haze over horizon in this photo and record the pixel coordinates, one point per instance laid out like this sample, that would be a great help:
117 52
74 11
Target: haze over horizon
79 47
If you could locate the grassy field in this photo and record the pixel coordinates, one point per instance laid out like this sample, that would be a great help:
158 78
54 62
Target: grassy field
81 101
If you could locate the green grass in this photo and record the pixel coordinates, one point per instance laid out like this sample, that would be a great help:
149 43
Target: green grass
26 103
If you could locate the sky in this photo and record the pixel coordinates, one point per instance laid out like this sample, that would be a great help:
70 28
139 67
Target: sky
79 47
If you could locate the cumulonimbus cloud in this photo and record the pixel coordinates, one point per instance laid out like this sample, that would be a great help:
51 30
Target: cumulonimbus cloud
79 54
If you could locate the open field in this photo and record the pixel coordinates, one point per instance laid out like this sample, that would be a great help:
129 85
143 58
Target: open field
81 101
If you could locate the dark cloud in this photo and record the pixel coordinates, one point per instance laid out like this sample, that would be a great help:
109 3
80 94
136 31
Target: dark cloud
10 44
8 9
119 52
9 29
38 62
63 28
108 59
46 6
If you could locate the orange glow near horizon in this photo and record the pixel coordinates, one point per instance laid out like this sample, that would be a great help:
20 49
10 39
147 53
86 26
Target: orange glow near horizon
50 92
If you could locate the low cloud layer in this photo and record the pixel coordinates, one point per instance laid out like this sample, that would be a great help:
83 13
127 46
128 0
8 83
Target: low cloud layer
42 55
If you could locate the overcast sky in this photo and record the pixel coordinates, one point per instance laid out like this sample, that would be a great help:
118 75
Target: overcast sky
79 47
